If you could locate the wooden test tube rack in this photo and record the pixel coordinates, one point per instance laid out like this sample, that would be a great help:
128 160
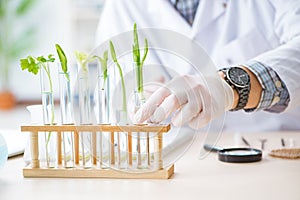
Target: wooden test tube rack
35 171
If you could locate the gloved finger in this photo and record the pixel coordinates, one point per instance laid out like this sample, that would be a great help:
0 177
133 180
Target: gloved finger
150 88
147 110
190 109
201 120
169 105
205 115
153 85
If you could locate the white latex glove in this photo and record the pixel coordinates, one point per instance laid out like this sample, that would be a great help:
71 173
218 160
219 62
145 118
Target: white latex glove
196 99
149 88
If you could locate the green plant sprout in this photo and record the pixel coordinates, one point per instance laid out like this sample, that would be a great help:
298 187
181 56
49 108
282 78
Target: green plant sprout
115 60
103 62
63 60
33 65
137 58
83 59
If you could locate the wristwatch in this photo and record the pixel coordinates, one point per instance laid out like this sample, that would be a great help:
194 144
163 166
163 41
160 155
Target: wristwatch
239 80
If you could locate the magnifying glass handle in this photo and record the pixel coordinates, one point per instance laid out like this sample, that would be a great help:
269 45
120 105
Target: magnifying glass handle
213 148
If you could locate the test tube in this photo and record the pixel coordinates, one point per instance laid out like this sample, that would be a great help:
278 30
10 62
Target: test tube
84 112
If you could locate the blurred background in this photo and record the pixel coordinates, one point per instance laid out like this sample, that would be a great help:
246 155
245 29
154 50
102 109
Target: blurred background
33 27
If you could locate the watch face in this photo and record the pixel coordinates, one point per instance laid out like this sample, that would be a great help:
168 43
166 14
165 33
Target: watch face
238 76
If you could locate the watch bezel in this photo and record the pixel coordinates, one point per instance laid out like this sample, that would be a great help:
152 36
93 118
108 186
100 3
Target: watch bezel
234 83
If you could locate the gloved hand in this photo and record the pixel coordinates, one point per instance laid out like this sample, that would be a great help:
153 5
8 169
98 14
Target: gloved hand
197 100
149 88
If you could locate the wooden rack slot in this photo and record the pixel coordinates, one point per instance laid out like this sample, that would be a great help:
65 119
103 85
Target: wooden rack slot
76 146
112 148
34 143
148 149
94 147
154 168
129 148
59 151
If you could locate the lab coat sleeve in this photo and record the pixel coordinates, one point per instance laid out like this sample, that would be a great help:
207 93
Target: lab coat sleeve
285 59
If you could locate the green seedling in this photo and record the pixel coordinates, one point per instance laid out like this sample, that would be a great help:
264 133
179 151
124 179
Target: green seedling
103 62
63 60
137 58
34 65
115 60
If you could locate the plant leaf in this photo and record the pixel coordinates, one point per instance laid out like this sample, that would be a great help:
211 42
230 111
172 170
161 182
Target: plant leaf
136 48
112 51
51 58
104 64
24 63
137 58
42 59
136 39
105 55
145 52
81 57
62 57
31 64
114 57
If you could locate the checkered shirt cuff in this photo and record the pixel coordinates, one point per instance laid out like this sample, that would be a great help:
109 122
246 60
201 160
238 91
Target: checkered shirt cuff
275 96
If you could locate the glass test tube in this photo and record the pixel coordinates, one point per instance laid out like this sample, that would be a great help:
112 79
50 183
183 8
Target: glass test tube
66 118
119 155
84 116
103 138
142 138
48 114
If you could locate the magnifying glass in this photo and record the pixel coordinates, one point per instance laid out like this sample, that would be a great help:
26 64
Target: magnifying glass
236 155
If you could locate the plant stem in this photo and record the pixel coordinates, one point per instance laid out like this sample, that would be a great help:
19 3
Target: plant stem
103 85
123 87
45 67
139 74
51 90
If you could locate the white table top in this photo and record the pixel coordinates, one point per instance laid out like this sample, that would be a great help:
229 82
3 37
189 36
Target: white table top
272 178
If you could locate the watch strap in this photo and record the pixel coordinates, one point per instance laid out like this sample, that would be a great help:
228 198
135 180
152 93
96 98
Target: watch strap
243 98
242 92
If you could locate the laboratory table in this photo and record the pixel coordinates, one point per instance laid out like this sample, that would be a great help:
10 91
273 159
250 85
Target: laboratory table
194 178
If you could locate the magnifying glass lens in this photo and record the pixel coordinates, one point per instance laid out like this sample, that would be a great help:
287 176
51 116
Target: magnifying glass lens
240 155
236 155
241 152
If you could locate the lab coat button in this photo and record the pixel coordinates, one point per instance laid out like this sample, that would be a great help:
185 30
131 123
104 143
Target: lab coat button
275 100
278 84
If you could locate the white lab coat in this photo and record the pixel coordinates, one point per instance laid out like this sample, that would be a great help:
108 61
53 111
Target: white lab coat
264 30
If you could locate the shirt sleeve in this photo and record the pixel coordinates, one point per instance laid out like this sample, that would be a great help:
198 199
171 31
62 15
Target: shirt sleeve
285 59
275 95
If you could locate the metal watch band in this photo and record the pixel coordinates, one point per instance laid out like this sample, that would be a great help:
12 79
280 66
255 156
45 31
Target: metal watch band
242 92
243 98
